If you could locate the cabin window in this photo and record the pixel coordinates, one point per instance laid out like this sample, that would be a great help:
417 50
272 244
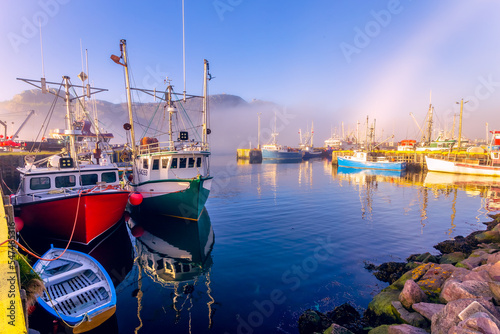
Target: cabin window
182 162
108 177
65 181
191 163
174 163
89 179
156 164
38 183
198 162
164 163
145 164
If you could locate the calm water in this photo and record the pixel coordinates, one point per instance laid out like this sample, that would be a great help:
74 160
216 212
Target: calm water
278 239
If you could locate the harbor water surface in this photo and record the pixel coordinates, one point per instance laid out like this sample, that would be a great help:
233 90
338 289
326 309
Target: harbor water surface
277 239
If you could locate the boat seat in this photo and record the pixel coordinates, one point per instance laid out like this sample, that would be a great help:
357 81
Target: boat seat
71 296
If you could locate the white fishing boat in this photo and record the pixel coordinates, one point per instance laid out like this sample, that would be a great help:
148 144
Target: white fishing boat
79 291
473 167
172 174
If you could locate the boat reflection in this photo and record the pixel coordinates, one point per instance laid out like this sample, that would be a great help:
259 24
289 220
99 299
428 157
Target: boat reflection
174 250
172 273
486 187
364 174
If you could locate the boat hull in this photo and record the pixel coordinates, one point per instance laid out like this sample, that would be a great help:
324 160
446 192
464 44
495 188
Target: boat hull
182 198
444 166
311 155
95 214
380 165
279 155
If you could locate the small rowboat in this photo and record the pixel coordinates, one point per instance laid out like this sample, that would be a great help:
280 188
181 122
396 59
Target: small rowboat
80 291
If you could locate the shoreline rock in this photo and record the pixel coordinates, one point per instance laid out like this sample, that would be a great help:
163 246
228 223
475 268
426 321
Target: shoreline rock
457 291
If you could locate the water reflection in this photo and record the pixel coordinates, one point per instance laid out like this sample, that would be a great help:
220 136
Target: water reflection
488 188
172 273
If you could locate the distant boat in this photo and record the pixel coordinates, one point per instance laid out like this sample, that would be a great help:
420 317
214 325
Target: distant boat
440 144
491 168
369 160
80 291
273 151
306 145
407 145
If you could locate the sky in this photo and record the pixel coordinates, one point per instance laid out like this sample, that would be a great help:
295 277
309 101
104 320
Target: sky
326 61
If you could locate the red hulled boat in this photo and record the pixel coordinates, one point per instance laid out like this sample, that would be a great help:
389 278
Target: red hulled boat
79 190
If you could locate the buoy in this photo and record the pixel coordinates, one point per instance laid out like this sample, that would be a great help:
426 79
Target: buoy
19 223
135 198
137 231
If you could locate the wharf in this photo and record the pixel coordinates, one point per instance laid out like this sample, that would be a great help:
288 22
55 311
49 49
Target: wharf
416 159
13 320
254 155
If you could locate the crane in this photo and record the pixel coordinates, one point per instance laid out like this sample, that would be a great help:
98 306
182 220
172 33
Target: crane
14 136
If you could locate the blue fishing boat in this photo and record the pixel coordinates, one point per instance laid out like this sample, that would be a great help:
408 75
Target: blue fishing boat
273 151
278 152
370 160
79 291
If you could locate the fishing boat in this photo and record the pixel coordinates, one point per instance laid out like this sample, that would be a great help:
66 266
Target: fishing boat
75 195
370 160
173 175
306 145
407 145
78 290
273 151
490 168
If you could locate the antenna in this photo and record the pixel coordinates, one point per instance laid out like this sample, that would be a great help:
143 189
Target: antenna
184 50
42 81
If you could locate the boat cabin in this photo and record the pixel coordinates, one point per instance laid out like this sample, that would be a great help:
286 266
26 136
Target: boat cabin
46 180
176 165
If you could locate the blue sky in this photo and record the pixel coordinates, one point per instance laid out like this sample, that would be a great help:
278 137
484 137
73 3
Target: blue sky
333 61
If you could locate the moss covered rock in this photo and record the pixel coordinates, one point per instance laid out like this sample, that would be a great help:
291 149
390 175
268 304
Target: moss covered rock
379 330
380 310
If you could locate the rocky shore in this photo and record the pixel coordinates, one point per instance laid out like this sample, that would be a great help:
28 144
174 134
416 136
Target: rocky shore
457 291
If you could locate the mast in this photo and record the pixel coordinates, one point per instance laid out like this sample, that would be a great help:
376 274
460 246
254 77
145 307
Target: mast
171 112
429 121
258 130
204 141
366 134
312 132
69 119
123 47
460 123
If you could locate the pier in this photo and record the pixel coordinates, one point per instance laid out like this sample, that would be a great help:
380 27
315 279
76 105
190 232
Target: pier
253 155
12 297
